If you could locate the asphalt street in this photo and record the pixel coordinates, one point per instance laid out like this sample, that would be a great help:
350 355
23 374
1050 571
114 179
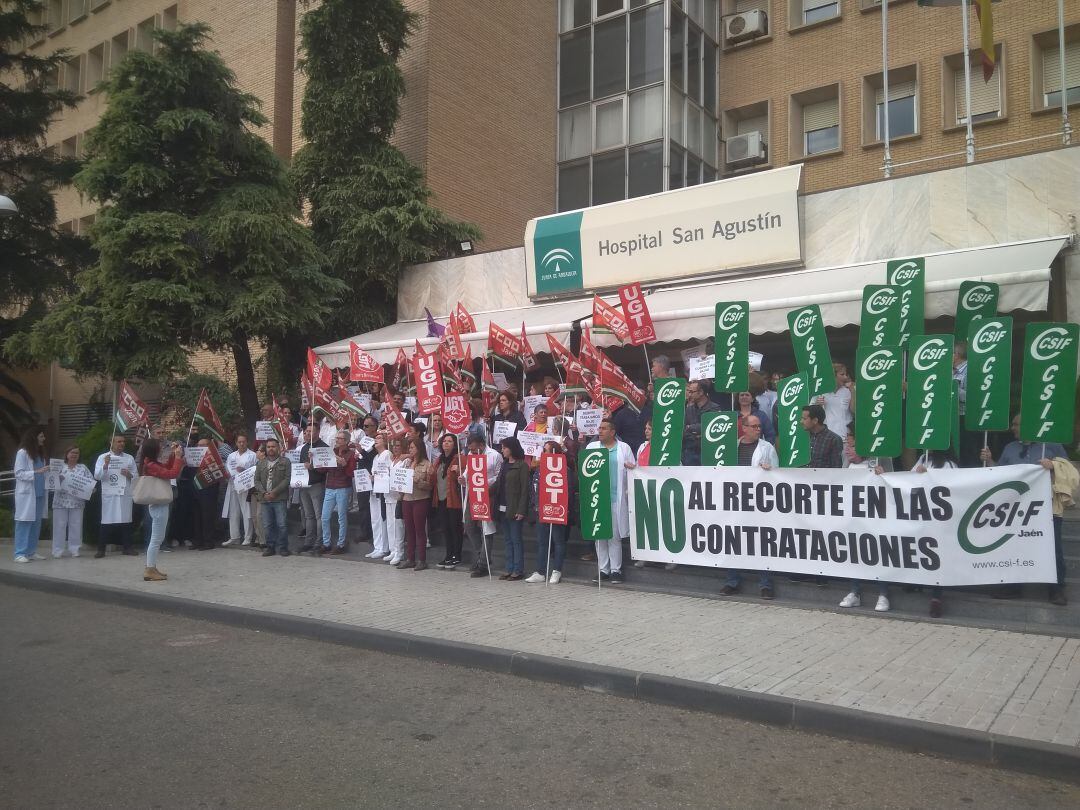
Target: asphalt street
107 707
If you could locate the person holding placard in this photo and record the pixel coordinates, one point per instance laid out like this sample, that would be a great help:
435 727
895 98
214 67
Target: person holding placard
609 552
506 410
313 495
364 445
395 526
159 512
482 532
380 485
31 464
446 499
68 506
272 476
698 402
237 507
206 511
511 501
415 506
117 472
339 483
549 569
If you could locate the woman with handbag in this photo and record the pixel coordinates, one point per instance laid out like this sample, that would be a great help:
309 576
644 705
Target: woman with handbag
154 491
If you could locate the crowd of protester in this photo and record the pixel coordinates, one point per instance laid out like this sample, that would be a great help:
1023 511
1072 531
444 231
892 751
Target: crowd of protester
400 527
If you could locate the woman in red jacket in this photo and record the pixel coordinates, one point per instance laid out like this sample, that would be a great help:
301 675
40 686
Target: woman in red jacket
159 512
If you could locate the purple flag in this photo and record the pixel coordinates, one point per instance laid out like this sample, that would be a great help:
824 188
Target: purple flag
434 328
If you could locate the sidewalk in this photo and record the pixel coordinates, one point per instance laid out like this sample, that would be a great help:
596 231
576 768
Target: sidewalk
963 692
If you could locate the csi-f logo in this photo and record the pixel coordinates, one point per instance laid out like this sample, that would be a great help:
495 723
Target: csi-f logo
718 429
877 365
668 394
931 352
592 466
804 322
1051 343
988 336
994 517
906 272
880 301
976 298
791 392
730 317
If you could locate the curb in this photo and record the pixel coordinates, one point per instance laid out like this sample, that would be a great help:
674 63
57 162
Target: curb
967 745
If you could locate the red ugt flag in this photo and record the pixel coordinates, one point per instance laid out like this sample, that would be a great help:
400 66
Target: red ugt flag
318 371
362 366
638 319
429 388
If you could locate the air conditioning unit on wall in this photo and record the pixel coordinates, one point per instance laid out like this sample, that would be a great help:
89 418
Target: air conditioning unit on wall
748 25
745 150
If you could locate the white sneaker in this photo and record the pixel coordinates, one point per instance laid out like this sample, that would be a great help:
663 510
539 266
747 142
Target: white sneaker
36 557
57 556
882 604
246 543
371 555
536 577
22 558
229 542
556 577
392 560
851 600
76 553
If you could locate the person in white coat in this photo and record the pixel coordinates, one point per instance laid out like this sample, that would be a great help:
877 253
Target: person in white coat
67 509
754 451
30 499
117 471
236 508
395 526
609 552
380 477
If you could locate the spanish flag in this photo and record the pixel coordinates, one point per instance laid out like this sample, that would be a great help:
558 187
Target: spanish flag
986 29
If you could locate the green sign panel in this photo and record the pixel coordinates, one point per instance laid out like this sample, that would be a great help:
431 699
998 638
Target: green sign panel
594 494
909 277
929 392
955 423
1048 393
668 420
879 380
557 253
732 349
977 299
792 395
811 346
989 373
880 322
719 439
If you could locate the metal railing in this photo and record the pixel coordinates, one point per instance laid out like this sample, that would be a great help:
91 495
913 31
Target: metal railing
7 483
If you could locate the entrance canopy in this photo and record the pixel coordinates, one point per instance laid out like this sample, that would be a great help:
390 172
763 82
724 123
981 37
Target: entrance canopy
685 312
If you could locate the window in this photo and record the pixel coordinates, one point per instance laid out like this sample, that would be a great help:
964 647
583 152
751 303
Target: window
76 9
817 10
118 49
709 85
144 36
902 118
610 125
1051 74
575 133
647 46
647 114
573 13
609 178
646 170
985 96
609 58
69 147
693 128
55 15
574 75
170 18
73 74
574 186
606 7
675 118
678 53
758 124
676 176
693 63
95 66
821 127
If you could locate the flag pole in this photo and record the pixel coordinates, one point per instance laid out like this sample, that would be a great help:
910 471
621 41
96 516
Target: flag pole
191 427
1066 127
115 400
969 140
888 166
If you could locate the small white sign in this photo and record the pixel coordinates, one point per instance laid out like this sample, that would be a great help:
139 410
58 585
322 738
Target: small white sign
503 430
410 404
299 479
366 443
52 476
193 456
588 421
79 482
328 432
501 383
292 456
401 479
533 443
264 431
322 458
696 351
113 483
530 406
702 368
755 360
244 480
362 481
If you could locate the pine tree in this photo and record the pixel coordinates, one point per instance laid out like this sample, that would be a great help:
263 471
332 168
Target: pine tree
37 261
369 206
199 239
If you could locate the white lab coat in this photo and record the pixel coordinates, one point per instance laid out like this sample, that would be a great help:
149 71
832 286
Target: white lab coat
764 453
116 508
25 489
621 518
237 462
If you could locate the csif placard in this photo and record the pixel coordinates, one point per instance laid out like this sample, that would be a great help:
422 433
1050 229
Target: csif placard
880 321
989 373
719 439
929 392
792 395
977 299
811 347
1048 393
668 421
732 346
594 495
909 277
879 379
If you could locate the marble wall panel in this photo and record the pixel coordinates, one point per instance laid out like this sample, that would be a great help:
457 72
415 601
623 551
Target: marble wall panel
830 227
875 222
1026 196
987 216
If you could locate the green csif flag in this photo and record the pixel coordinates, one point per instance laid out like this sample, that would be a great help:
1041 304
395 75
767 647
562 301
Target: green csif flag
811 346
668 421
732 346
792 395
989 373
879 379
880 321
909 277
719 439
594 494
929 392
1048 394
977 299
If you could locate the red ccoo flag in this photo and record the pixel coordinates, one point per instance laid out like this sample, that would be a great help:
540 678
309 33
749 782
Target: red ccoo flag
206 417
605 316
528 356
465 323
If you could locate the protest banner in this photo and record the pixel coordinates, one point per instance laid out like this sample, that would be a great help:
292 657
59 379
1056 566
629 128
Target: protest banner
879 324
211 469
701 368
350 403
476 486
989 374
909 277
322 458
318 372
503 346
131 412
401 480
392 419
53 473
363 367
879 380
638 318
668 421
244 480
1048 393
298 478
79 482
529 361
429 388
942 527
206 417
929 392
594 494
588 421
502 430
811 347
362 481
264 430
607 318
193 456
554 489
977 299
719 439
732 346
793 443
455 413
380 475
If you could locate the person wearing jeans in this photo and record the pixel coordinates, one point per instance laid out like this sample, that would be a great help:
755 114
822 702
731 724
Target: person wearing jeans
30 497
550 534
159 512
339 485
415 506
512 502
272 476
313 495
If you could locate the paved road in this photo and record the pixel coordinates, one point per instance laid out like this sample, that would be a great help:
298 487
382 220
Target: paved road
113 707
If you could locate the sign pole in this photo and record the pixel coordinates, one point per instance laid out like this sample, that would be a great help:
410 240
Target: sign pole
986 443
115 400
547 568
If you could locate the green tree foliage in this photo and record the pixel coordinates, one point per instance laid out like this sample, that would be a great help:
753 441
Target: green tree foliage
37 261
198 238
369 206
179 396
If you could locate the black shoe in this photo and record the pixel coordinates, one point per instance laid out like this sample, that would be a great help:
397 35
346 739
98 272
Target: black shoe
130 552
617 578
603 577
476 573
284 553
729 590
306 549
99 553
269 552
767 593
444 564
